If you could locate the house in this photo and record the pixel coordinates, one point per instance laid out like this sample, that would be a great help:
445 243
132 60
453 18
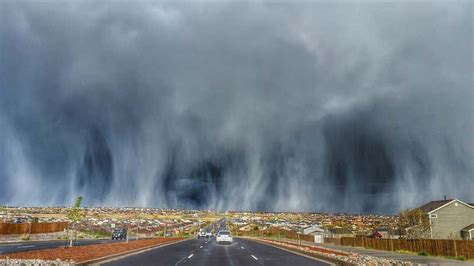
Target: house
312 229
338 232
239 222
449 218
467 233
376 234
386 233
315 231
245 228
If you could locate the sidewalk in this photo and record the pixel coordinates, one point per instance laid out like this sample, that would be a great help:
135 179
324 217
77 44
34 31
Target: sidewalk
418 260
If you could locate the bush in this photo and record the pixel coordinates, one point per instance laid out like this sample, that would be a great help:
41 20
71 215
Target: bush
25 237
424 253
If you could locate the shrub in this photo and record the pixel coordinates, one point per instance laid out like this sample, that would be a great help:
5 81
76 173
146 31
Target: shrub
25 237
424 253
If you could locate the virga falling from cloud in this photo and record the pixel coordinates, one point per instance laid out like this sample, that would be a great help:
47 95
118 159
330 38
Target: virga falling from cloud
333 106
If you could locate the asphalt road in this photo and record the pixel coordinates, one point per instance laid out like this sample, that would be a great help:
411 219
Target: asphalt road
208 252
38 245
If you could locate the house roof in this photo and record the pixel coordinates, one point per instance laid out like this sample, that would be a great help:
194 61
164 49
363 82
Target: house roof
312 229
433 205
468 228
340 230
376 234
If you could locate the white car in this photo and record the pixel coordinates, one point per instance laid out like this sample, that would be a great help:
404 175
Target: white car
224 236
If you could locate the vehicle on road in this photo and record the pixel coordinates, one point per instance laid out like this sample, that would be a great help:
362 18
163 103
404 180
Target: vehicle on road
202 234
224 237
119 233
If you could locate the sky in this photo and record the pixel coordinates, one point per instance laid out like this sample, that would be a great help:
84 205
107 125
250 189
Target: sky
351 106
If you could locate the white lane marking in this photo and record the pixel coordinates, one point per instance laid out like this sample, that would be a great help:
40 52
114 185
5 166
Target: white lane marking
254 257
25 247
190 256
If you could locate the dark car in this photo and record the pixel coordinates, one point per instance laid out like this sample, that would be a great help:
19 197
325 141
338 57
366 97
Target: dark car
119 234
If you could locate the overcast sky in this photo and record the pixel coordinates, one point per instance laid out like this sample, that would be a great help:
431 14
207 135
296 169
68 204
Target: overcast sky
352 106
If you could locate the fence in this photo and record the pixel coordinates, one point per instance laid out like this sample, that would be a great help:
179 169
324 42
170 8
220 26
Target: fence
278 233
31 228
334 241
437 247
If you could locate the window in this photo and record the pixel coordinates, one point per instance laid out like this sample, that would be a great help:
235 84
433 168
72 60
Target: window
433 215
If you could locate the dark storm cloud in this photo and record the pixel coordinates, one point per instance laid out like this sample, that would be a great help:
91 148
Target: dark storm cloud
307 106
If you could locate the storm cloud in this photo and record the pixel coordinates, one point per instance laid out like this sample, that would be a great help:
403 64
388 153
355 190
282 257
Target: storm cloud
313 106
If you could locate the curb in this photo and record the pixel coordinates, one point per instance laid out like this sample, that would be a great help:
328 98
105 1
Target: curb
124 254
332 261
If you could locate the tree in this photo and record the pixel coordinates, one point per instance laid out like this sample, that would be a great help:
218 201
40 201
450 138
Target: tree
415 224
75 215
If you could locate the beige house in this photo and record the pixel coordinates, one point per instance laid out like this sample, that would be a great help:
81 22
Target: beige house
448 218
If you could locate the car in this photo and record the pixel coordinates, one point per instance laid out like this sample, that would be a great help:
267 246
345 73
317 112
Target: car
119 233
209 235
224 237
202 234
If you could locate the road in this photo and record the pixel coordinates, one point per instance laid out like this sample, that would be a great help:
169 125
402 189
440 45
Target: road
191 252
208 252
37 245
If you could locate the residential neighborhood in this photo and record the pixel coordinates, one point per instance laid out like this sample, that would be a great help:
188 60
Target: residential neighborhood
448 219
